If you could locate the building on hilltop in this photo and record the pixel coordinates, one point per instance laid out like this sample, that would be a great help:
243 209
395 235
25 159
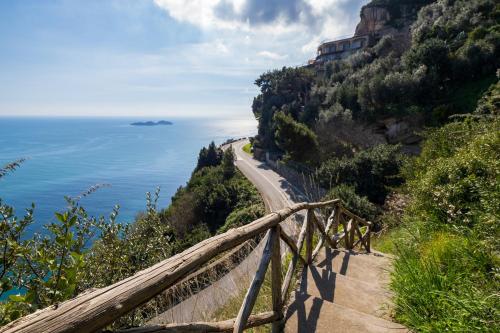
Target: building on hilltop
340 49
376 22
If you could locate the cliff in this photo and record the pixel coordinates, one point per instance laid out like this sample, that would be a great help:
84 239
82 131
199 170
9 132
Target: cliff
373 20
389 17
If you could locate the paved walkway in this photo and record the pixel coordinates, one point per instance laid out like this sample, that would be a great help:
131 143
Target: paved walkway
343 291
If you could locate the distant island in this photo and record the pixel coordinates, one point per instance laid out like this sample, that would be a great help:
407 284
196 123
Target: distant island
152 123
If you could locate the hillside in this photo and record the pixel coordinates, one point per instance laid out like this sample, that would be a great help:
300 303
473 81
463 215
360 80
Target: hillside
405 131
383 93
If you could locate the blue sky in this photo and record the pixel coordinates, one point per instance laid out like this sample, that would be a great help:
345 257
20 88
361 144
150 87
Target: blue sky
154 57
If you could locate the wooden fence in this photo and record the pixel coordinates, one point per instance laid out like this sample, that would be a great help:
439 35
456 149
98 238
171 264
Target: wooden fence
96 309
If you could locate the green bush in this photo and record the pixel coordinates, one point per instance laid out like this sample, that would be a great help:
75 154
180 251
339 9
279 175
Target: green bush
455 180
353 202
371 172
212 193
228 166
295 139
243 216
284 89
490 102
210 156
445 277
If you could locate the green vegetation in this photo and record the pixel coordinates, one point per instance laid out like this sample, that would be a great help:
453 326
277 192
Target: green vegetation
295 139
369 172
210 156
446 275
353 202
248 148
489 104
46 269
281 90
437 212
448 50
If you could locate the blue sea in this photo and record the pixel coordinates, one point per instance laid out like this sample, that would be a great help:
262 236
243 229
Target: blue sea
67 156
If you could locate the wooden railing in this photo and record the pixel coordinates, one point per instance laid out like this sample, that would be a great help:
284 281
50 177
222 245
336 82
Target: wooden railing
94 310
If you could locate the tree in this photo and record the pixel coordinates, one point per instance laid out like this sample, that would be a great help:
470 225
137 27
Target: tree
295 139
211 156
228 163
285 88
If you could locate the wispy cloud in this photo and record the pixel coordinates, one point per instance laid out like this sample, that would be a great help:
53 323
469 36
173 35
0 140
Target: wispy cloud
152 56
286 30
272 55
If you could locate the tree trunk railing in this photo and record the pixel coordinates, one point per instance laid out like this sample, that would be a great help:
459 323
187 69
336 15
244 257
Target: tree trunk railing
96 309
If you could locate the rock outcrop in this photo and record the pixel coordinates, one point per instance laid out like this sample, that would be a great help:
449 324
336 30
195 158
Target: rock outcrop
390 19
373 20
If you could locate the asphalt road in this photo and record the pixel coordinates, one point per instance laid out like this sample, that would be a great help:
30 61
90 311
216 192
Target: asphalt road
276 191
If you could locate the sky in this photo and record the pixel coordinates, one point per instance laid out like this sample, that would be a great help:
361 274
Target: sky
175 58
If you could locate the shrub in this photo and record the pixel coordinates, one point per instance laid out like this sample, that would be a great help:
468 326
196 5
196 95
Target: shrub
490 102
286 88
353 202
456 180
295 139
243 216
371 172
446 274
433 53
228 163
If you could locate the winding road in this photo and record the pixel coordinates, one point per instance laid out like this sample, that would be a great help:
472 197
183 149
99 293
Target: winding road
276 191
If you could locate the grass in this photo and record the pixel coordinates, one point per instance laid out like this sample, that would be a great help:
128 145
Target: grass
385 241
248 149
443 281
263 302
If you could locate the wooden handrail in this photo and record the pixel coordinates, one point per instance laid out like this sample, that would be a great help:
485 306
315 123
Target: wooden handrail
98 308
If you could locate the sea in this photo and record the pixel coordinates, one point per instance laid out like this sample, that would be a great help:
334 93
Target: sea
70 156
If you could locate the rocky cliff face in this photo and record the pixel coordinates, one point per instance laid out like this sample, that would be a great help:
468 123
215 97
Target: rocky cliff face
373 20
378 20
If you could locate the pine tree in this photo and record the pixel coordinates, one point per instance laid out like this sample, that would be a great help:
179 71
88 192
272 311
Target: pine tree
228 163
211 156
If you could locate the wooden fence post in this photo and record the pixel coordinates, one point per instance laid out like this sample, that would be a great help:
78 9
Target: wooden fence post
276 280
309 236
369 236
252 293
337 219
352 234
